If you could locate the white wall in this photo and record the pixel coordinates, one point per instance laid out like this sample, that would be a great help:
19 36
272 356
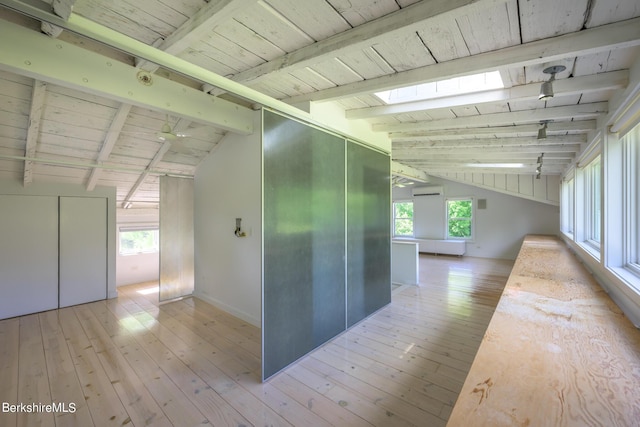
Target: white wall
50 189
228 269
137 268
499 229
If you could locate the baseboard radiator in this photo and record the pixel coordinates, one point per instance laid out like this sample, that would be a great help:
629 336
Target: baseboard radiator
441 247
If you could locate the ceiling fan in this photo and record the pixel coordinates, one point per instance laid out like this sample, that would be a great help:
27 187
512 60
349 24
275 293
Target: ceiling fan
167 134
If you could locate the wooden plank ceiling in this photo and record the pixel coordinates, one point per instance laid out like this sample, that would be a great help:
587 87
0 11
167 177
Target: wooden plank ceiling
327 51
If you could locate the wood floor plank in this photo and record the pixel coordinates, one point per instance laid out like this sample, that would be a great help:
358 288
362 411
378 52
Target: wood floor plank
133 361
63 379
174 404
163 346
9 367
33 382
99 394
140 405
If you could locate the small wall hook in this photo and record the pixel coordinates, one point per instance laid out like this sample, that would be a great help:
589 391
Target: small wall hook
238 231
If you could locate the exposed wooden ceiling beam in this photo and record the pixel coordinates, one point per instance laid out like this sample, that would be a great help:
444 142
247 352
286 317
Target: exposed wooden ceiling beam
181 126
63 9
204 21
92 30
465 151
493 142
408 19
580 111
593 40
572 86
408 172
109 142
41 57
526 170
557 128
35 115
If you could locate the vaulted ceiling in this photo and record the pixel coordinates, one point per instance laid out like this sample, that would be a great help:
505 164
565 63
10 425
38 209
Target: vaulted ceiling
73 109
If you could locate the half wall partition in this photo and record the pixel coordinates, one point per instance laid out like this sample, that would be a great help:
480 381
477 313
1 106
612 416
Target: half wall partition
326 237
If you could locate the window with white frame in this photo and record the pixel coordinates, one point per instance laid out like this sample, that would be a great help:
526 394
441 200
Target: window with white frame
568 197
460 218
631 159
135 240
403 219
593 192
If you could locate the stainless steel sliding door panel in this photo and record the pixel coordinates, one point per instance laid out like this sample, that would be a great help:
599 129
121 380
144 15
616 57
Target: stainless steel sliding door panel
368 232
304 240
176 238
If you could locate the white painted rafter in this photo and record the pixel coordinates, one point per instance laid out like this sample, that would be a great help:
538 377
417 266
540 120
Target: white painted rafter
464 151
38 56
181 126
109 142
581 111
408 172
408 19
204 21
572 86
63 9
590 41
560 128
493 142
35 115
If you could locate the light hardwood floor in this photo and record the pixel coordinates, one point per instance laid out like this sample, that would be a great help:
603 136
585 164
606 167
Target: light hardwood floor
131 362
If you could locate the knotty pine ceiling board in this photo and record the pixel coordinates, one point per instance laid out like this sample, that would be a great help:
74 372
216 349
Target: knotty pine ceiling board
316 18
367 63
337 72
73 175
131 20
599 96
274 27
617 59
404 52
207 62
357 12
227 52
312 78
444 40
541 19
247 38
491 28
493 107
297 85
608 11
564 100
465 111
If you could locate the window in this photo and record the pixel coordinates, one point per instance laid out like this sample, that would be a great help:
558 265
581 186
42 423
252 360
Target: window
593 190
138 240
448 87
459 218
567 206
631 160
403 219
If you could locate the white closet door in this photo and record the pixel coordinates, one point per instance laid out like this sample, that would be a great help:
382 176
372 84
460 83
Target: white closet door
83 250
28 254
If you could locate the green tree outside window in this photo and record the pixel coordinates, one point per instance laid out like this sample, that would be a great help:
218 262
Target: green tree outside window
459 218
403 219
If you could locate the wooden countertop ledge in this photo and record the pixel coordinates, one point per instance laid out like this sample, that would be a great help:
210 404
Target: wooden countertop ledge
557 352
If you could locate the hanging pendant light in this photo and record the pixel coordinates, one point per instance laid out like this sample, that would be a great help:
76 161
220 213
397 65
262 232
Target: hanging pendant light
542 132
546 90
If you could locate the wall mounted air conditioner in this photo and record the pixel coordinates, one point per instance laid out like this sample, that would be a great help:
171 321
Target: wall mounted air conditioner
428 191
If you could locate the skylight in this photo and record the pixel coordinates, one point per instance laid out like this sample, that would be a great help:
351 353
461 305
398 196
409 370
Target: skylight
455 86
